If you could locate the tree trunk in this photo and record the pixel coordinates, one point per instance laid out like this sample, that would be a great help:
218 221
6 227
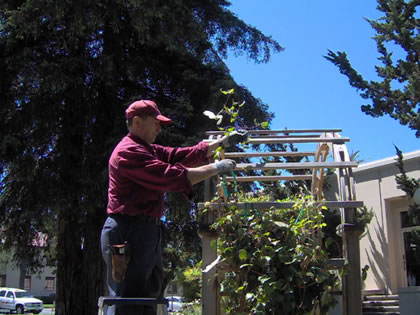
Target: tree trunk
95 271
22 274
80 268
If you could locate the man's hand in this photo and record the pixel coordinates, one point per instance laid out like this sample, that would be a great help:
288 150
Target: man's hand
224 167
234 138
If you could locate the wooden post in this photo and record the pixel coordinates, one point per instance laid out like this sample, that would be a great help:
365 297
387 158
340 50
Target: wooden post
351 281
350 231
209 298
209 295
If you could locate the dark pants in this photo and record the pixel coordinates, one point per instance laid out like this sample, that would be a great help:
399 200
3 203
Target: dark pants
144 275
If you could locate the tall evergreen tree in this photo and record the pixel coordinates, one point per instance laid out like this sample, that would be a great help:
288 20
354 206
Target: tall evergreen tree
397 94
68 70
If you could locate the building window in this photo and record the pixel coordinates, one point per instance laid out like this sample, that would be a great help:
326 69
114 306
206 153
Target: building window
2 280
409 219
27 283
49 283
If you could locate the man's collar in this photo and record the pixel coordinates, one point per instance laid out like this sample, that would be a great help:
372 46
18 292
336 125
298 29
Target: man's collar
138 140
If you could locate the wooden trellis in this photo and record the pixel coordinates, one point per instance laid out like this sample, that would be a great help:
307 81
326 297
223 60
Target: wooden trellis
326 143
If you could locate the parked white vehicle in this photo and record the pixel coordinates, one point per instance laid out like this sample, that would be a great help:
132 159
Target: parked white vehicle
19 301
175 303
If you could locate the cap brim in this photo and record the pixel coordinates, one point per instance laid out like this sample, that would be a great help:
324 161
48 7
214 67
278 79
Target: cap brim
163 120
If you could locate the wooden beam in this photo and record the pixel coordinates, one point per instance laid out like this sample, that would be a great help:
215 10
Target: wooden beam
285 131
268 178
275 140
294 166
263 136
266 154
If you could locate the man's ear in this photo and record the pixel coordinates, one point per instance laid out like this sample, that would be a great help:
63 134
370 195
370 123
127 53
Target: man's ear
137 121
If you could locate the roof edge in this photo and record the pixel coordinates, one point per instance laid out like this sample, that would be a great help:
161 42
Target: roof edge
387 161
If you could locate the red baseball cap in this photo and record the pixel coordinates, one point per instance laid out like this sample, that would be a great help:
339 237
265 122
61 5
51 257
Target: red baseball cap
146 107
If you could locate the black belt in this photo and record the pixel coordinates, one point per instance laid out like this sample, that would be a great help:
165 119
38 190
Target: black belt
137 218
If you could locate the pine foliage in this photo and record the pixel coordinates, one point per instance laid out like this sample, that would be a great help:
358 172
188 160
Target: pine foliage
397 93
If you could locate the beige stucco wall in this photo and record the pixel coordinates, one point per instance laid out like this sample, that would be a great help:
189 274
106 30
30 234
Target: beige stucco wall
380 249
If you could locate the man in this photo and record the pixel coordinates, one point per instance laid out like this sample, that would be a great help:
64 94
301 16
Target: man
140 173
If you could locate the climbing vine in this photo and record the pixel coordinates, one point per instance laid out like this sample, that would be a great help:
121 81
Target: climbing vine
270 260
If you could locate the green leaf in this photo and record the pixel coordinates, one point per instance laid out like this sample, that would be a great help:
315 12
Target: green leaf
231 91
263 279
227 250
325 298
328 242
281 224
241 288
264 125
245 265
217 153
243 254
213 244
267 258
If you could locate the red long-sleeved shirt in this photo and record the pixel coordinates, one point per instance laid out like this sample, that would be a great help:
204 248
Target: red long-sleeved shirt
140 174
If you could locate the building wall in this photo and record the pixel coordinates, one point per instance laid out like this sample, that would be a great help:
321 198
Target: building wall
38 282
381 249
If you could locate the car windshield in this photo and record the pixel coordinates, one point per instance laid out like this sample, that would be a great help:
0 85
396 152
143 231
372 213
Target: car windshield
23 294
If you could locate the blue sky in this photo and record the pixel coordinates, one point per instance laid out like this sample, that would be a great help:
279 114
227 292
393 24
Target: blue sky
305 90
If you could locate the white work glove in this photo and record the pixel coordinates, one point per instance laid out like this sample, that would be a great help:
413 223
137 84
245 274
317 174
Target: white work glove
234 138
224 167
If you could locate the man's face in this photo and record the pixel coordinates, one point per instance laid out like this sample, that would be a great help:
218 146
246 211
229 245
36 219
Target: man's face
149 128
